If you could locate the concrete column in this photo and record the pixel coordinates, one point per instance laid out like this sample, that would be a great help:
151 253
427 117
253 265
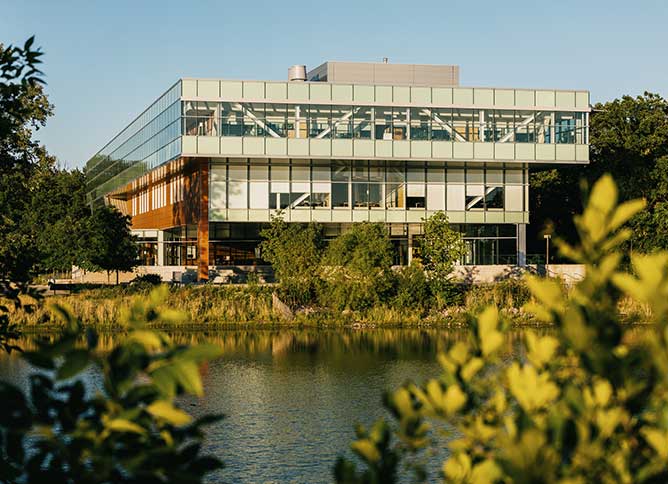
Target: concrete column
521 245
410 248
203 222
161 248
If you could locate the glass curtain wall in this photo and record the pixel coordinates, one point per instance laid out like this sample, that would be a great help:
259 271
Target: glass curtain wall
238 243
300 184
148 142
383 123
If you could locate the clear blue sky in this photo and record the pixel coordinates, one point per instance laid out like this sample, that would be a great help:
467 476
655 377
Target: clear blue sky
105 61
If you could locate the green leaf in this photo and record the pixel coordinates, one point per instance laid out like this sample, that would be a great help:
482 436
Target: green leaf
457 468
486 472
454 399
658 439
541 350
367 450
625 211
75 362
202 352
165 410
490 338
151 340
604 194
122 425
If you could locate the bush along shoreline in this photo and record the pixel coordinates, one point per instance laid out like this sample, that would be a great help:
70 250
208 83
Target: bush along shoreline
228 307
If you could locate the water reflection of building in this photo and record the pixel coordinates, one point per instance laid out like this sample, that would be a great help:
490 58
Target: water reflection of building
205 166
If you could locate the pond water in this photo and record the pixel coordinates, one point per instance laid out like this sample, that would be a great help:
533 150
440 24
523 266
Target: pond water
292 398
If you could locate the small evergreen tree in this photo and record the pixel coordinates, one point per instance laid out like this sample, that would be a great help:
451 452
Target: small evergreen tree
358 267
294 251
109 245
439 249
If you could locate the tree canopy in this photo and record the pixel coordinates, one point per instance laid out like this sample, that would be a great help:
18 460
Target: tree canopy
294 251
24 108
629 139
109 245
359 266
440 248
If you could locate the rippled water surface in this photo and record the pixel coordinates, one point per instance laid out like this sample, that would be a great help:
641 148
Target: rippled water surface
292 398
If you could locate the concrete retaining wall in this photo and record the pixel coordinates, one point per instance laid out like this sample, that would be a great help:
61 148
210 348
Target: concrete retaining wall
569 273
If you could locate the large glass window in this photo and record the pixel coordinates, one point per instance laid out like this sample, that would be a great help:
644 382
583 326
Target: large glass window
360 186
441 125
420 124
340 198
581 128
259 184
501 125
544 126
200 118
395 186
415 189
564 127
237 187
435 197
342 121
383 123
400 123
321 195
463 124
279 196
340 178
525 126
475 199
494 198
362 122
276 119
254 120
232 119
318 120
481 121
340 170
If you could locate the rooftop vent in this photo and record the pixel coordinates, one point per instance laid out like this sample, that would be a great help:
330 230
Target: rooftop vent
297 73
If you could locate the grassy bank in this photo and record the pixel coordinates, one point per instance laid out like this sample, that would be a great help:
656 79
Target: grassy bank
202 305
218 307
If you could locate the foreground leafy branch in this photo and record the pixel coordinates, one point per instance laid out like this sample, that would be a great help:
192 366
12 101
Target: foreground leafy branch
129 430
589 403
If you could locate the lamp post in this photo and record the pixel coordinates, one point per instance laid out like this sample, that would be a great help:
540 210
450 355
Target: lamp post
547 238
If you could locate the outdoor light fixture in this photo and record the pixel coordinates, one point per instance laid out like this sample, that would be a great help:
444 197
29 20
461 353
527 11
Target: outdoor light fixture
547 238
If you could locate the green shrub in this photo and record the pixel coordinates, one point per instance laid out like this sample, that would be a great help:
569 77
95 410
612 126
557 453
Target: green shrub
147 279
587 404
129 430
439 249
294 251
357 268
506 293
411 289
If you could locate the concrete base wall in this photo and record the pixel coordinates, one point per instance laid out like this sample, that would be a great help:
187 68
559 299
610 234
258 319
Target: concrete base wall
185 274
569 273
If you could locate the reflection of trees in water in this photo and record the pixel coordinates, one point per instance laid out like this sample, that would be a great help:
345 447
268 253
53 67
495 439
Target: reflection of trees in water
323 343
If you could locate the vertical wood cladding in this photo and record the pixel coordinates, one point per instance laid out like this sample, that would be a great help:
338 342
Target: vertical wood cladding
185 210
203 223
183 190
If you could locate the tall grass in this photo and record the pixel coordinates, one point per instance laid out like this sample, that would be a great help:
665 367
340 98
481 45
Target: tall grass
227 306
202 305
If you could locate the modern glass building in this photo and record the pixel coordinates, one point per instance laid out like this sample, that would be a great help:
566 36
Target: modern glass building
208 163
